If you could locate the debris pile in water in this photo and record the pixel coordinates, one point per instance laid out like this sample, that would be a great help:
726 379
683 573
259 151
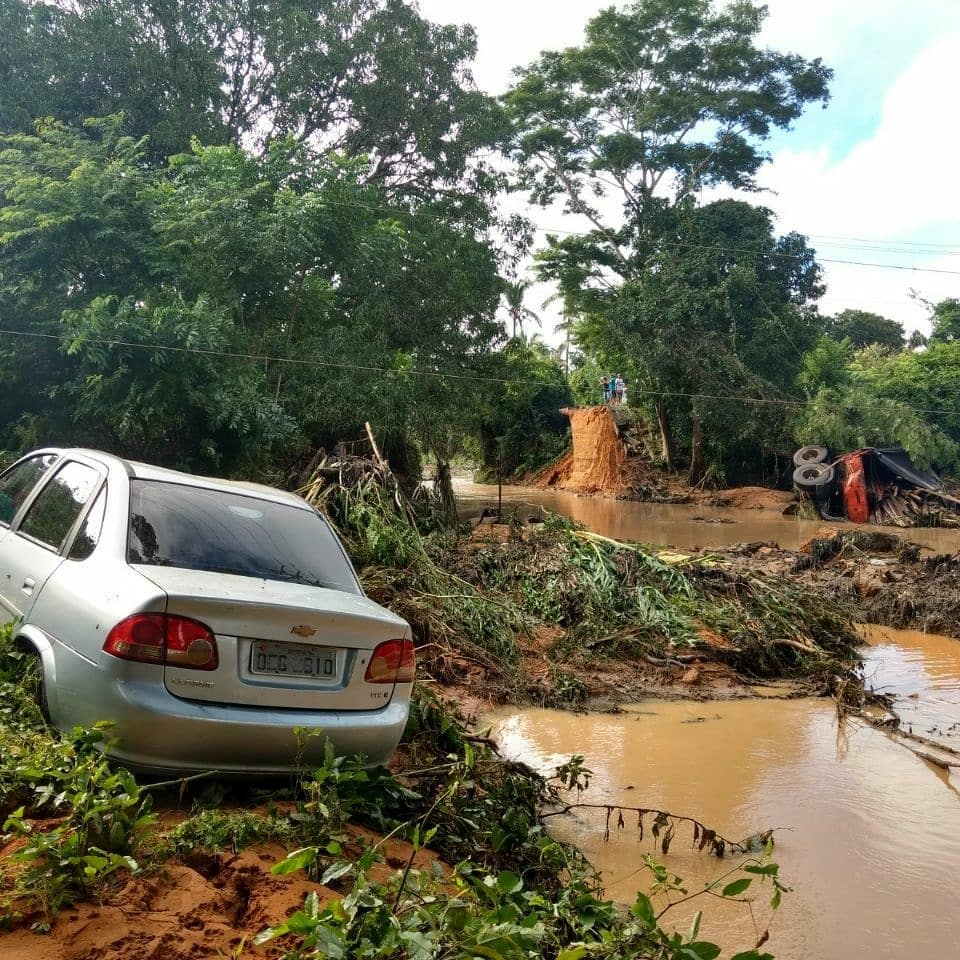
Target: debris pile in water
523 611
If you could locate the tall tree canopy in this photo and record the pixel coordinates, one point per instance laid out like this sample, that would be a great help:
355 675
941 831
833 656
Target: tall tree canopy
172 290
368 78
663 99
945 321
863 328
231 229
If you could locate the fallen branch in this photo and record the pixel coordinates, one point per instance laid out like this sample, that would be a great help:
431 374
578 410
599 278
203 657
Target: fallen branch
804 648
663 828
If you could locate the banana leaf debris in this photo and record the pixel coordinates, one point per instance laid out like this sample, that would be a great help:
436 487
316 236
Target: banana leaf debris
873 485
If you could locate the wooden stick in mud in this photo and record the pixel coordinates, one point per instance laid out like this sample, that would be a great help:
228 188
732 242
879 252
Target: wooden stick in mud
381 463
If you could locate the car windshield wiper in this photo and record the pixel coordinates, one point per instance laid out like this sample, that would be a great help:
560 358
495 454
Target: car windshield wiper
279 575
294 578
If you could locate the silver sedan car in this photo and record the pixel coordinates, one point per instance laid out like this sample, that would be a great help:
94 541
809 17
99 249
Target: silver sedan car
208 620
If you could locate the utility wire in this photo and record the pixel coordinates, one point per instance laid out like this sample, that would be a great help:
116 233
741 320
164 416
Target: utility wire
438 374
954 247
764 253
397 212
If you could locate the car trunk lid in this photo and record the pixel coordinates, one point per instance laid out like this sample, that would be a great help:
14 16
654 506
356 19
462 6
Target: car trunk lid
280 644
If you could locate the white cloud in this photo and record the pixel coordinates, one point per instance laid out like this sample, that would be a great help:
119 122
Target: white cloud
854 30
897 185
512 33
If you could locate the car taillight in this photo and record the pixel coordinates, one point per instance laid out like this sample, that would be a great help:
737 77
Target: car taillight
161 638
392 662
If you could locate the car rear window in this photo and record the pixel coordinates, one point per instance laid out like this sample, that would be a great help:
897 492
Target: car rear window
196 528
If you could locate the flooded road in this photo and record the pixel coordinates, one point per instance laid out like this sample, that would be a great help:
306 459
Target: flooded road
923 670
870 837
675 524
870 833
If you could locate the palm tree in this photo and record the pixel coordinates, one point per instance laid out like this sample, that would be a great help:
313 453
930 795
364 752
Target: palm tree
565 326
513 292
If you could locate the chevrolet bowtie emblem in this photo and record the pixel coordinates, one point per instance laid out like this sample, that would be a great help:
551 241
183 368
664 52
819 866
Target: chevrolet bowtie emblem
304 630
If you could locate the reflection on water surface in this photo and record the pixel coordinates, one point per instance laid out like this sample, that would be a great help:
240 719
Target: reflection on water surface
869 836
674 524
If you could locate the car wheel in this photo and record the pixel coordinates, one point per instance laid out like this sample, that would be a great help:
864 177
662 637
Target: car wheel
35 671
814 477
809 455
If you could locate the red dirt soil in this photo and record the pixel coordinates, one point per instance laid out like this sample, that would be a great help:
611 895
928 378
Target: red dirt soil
753 498
596 462
201 907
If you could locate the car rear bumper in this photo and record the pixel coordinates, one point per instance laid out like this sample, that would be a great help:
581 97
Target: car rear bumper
156 731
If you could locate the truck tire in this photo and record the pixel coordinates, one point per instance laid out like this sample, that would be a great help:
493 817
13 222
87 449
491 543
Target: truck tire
810 454
814 477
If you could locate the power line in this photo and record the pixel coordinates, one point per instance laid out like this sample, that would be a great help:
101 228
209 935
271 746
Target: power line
400 212
955 247
764 253
367 368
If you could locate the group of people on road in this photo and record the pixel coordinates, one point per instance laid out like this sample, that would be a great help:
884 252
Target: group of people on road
614 389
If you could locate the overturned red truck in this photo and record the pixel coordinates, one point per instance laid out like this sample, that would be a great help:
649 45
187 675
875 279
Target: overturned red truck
873 485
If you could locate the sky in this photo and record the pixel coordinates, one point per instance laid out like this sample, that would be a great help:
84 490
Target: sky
872 178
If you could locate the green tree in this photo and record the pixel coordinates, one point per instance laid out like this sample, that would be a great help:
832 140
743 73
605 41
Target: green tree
514 292
854 416
826 364
230 310
706 320
945 321
369 78
663 99
520 426
873 397
862 329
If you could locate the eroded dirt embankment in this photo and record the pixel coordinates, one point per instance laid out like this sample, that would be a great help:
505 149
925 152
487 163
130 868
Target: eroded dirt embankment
883 579
596 460
609 457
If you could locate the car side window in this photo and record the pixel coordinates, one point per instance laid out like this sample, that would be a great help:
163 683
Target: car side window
88 536
59 503
18 482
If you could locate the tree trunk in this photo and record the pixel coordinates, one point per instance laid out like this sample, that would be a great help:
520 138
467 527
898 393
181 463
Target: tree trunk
669 450
443 486
698 467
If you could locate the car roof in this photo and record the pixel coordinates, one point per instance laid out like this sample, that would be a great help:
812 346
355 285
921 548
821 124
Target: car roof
146 471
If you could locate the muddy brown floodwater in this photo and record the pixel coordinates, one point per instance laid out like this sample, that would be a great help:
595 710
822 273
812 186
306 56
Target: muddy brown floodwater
869 834
676 524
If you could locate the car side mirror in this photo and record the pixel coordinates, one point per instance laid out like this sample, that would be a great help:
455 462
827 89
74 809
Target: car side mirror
6 508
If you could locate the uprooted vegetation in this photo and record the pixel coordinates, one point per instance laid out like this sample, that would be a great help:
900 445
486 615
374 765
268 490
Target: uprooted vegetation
882 578
448 855
445 858
534 611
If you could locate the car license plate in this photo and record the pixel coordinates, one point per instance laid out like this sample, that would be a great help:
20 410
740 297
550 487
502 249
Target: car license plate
290 660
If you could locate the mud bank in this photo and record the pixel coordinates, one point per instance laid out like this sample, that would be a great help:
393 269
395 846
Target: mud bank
204 905
880 577
610 456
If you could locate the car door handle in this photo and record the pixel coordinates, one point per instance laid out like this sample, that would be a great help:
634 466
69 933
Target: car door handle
28 585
